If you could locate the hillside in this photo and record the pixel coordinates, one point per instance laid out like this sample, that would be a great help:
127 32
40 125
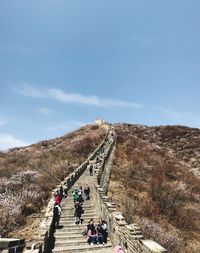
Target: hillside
28 175
155 181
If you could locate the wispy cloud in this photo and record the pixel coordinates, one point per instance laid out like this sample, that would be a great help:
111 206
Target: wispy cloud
62 96
2 122
29 91
8 141
15 48
66 126
45 111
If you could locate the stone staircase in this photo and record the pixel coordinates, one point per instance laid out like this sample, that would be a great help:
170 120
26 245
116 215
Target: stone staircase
68 237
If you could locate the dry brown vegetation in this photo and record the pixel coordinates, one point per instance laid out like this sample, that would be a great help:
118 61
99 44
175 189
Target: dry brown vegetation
155 181
29 174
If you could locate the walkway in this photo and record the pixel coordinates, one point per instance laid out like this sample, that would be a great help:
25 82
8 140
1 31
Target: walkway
69 238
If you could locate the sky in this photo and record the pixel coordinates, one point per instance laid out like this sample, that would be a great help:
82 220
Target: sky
64 63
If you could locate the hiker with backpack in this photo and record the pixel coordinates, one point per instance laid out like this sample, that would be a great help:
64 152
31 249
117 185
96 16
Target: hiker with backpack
75 195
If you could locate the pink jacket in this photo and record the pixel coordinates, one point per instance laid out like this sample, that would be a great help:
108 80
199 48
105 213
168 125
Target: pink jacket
118 249
89 234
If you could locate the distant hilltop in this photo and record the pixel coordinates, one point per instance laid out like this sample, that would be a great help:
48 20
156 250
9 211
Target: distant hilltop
100 122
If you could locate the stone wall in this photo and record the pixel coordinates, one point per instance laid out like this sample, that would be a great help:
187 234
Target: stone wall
120 232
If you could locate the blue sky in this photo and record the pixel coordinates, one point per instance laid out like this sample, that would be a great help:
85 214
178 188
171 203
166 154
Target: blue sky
64 63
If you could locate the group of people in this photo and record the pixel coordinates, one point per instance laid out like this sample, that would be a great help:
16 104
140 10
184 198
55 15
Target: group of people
79 196
97 234
58 195
93 168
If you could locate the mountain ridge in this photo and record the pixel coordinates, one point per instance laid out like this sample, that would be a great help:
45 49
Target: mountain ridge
154 177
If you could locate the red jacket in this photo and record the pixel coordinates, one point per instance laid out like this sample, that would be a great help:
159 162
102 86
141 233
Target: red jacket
57 199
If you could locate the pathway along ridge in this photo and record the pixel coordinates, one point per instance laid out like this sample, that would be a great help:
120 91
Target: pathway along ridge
68 237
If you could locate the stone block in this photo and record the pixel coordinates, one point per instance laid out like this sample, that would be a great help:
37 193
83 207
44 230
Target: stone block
153 246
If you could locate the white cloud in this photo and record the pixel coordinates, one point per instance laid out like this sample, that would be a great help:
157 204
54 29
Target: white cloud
66 126
62 96
29 91
8 141
45 111
2 122
88 100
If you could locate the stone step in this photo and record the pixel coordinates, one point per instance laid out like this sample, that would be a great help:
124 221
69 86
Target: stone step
71 227
72 211
72 220
77 231
70 236
72 224
70 242
135 237
72 207
80 239
86 214
82 248
103 250
67 231
88 217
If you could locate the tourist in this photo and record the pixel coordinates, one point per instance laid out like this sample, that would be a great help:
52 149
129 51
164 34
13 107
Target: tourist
90 225
118 249
105 231
61 192
80 198
100 235
78 212
87 192
92 236
56 193
91 170
56 214
57 199
75 195
65 191
80 190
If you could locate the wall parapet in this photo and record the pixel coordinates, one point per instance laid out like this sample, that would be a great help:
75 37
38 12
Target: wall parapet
129 236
